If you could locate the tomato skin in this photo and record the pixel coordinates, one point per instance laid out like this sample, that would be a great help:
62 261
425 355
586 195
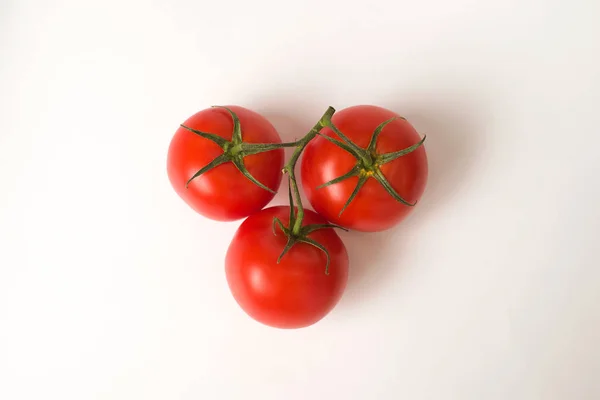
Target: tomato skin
296 292
373 209
223 193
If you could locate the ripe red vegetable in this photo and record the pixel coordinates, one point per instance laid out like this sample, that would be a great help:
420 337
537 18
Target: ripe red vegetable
225 162
306 283
366 170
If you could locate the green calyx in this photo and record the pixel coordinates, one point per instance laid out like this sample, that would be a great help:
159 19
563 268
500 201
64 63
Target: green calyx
368 161
234 150
298 233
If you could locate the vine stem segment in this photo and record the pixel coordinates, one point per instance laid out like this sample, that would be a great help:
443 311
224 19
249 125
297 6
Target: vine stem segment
295 232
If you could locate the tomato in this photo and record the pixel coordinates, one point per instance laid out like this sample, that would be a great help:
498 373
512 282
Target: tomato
373 208
224 193
295 292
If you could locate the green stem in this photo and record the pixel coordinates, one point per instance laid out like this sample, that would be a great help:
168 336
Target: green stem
300 213
295 232
290 167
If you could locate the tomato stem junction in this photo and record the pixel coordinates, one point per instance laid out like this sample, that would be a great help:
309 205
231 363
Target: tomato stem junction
368 162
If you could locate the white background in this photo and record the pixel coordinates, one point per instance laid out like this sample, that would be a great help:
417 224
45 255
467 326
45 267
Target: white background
112 288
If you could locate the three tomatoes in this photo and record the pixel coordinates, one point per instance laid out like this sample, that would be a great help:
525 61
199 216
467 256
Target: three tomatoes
226 163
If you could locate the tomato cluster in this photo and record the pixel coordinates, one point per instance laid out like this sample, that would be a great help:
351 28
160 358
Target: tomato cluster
363 168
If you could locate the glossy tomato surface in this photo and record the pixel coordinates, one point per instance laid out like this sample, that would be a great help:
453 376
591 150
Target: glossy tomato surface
223 193
373 209
296 292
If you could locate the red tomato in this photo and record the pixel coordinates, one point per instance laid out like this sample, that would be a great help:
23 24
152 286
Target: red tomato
223 193
296 292
373 208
